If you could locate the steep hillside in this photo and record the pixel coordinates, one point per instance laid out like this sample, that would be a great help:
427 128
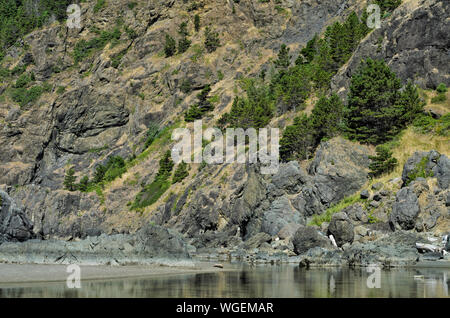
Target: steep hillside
87 116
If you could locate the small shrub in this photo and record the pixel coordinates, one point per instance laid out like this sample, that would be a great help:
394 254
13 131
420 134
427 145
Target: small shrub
420 171
99 5
442 88
212 41
383 162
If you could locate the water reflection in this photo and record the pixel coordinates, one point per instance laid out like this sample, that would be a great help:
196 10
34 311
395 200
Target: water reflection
255 282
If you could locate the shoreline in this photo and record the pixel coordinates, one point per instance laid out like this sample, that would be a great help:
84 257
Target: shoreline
14 274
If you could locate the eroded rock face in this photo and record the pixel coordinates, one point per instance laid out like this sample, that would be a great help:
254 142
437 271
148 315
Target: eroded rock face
341 228
14 225
414 43
308 237
150 244
405 209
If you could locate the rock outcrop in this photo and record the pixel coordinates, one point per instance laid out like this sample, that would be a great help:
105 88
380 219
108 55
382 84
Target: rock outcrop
14 224
414 42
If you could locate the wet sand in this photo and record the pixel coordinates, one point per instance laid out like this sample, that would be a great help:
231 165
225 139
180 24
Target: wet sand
30 273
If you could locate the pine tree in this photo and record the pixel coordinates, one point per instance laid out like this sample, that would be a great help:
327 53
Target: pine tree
180 173
212 41
184 43
326 117
197 23
372 115
84 183
70 179
410 104
165 165
383 162
284 59
170 47
297 141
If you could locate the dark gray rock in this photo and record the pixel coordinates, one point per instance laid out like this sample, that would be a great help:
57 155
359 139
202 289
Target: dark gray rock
308 237
413 43
431 163
290 177
341 228
257 240
280 214
405 210
364 194
14 225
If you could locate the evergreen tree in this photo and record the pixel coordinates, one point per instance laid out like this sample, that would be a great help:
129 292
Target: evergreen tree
308 52
372 115
212 41
69 180
284 59
326 118
84 183
410 104
197 23
184 43
383 162
297 141
165 165
180 173
170 47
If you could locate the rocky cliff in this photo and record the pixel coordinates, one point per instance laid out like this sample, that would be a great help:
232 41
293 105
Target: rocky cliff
101 99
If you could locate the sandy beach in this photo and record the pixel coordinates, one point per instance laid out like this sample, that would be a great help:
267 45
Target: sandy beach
31 273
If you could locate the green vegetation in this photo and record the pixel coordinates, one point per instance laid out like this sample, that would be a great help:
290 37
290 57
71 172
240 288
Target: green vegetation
426 124
153 191
377 108
420 171
203 106
99 5
212 41
180 173
383 162
255 110
69 180
328 214
184 43
84 48
19 17
388 5
197 23
300 139
170 46
152 133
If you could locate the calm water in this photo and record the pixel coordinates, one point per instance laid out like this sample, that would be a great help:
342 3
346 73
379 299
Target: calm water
264 281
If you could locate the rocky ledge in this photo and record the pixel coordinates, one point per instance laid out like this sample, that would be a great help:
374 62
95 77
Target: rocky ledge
273 219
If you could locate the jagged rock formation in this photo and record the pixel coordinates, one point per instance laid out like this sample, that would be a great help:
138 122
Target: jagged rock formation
414 43
108 104
14 225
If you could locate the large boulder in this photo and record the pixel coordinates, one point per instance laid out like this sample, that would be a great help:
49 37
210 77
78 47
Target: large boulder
308 237
14 225
340 168
405 209
290 177
280 214
256 240
341 228
157 241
